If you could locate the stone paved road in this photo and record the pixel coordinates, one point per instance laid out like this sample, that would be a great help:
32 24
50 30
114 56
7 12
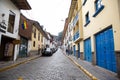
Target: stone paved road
55 67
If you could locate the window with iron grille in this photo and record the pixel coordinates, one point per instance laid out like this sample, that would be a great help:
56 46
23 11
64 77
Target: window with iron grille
11 22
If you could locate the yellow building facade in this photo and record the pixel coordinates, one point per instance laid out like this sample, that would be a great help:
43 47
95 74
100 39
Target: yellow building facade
96 29
37 38
75 18
101 21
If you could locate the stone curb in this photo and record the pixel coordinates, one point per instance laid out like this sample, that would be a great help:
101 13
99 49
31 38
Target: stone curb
83 69
17 64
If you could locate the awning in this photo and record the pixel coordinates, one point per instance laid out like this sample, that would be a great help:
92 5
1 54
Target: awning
16 41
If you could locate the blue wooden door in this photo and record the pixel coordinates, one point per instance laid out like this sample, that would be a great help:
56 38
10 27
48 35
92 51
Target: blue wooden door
78 50
87 50
74 50
105 55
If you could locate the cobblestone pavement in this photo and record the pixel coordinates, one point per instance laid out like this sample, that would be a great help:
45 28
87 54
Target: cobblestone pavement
55 67
100 73
4 64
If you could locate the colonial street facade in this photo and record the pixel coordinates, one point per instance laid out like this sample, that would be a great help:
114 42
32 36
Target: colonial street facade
31 37
94 26
19 36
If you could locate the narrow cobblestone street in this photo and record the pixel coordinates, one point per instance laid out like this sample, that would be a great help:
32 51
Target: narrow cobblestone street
81 38
55 67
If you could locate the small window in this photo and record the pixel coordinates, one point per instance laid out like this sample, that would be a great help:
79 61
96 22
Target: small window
41 38
84 2
34 44
38 36
98 4
35 33
87 19
11 22
98 7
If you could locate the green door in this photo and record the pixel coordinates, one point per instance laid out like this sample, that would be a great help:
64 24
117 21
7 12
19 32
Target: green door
23 47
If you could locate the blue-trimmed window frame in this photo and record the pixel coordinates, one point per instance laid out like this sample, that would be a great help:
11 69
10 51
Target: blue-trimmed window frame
98 7
76 36
87 18
84 2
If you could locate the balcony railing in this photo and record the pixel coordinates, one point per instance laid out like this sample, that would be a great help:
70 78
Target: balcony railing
76 18
76 36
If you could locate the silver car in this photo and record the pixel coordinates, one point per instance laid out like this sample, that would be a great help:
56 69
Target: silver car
47 52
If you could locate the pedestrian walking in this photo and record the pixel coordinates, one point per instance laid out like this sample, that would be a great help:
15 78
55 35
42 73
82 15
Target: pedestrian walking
66 50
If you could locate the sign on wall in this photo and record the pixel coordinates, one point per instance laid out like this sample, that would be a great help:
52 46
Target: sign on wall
2 27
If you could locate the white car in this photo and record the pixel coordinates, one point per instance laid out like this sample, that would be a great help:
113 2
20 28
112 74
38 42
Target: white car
47 52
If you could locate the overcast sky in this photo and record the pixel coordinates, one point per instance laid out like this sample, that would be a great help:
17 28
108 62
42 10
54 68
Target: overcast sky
49 13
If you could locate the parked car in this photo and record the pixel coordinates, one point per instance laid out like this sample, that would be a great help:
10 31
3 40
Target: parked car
47 51
54 50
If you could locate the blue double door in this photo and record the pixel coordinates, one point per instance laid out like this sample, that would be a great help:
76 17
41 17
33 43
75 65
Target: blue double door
105 55
87 50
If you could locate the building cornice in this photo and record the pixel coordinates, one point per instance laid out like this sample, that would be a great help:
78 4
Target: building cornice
22 4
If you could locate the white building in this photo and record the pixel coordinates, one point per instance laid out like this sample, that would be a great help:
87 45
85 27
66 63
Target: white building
9 25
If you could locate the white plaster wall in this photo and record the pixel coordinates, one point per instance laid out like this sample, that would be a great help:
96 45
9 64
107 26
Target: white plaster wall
5 7
16 51
108 16
29 45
